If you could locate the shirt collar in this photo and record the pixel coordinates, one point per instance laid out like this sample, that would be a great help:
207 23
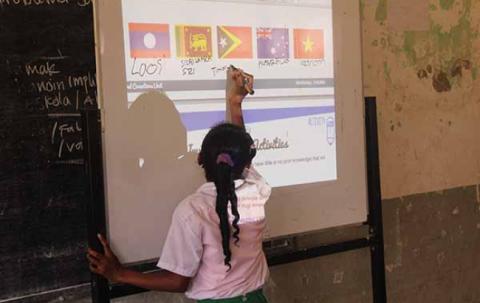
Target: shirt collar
210 189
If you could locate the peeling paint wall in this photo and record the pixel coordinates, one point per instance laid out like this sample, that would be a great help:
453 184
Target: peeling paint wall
421 59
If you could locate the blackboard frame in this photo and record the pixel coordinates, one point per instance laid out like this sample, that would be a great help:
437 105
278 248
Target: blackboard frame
95 208
103 292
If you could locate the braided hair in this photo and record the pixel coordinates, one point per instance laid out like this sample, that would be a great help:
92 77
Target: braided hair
226 150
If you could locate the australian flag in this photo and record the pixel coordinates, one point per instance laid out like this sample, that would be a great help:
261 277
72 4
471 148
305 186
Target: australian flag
272 43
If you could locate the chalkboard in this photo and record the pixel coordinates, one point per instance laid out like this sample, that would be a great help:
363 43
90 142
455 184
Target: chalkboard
47 76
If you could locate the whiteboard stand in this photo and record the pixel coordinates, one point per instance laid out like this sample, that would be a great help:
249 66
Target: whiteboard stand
375 219
102 291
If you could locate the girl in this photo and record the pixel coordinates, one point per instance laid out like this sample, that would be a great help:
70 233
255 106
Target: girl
213 250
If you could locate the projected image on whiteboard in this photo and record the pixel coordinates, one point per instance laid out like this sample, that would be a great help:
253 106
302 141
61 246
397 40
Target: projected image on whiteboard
184 48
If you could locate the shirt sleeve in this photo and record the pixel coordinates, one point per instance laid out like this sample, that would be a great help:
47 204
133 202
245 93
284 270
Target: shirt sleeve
183 247
253 176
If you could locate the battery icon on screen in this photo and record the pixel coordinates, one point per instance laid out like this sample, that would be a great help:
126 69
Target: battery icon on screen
330 130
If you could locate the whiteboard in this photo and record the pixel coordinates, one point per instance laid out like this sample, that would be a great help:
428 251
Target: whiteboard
149 146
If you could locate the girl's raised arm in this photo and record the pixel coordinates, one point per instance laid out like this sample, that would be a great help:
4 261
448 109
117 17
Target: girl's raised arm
239 84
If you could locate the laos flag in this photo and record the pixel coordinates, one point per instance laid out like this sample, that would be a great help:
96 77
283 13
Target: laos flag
149 40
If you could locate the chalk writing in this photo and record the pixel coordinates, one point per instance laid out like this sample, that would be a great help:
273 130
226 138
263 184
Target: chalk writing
57 100
66 147
60 95
49 86
86 81
62 129
47 69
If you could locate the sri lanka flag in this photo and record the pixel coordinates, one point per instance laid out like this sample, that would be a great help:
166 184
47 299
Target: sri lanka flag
149 40
193 41
309 43
234 42
272 43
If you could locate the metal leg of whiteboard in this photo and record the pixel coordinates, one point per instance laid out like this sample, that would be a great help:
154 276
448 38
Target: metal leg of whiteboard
375 221
95 206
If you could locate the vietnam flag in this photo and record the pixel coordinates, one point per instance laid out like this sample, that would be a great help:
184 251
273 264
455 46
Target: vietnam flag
309 43
234 42
149 40
193 41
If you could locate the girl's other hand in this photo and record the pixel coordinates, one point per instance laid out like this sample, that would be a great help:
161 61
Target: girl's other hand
105 264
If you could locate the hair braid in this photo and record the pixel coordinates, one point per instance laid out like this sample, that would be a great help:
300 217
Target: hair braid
226 151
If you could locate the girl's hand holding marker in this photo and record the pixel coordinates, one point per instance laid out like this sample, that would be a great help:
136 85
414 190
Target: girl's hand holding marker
239 84
242 82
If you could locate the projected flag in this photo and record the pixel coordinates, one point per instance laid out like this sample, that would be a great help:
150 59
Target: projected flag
193 41
234 42
149 40
272 43
309 43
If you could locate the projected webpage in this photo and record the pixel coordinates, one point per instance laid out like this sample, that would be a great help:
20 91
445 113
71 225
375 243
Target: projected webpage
184 48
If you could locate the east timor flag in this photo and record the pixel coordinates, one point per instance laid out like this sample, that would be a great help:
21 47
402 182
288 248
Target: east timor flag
234 42
193 41
149 40
309 43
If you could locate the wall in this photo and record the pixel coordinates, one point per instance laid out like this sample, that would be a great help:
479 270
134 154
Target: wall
421 58
422 61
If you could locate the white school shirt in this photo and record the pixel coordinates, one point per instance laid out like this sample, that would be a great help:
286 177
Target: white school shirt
193 247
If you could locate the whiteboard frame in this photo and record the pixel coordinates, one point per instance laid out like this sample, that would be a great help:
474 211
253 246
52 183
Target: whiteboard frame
348 69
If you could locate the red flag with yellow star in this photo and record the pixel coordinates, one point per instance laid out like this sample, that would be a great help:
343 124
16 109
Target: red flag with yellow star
309 44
